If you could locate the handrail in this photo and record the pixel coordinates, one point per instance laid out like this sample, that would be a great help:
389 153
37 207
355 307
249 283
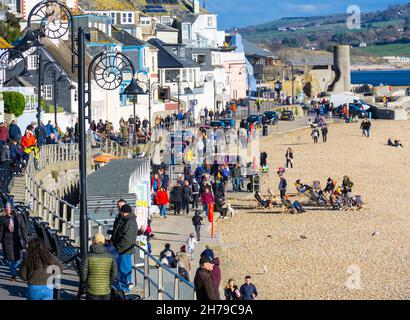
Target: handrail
165 267
160 265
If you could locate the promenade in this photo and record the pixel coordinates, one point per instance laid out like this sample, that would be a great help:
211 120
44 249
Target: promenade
174 230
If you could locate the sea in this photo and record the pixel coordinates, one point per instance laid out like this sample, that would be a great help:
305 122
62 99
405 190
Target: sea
385 77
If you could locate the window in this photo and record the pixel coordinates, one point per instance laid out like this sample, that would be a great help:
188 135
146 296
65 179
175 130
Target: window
171 75
184 75
199 58
113 20
32 62
211 23
75 95
182 52
166 20
130 18
186 32
123 18
191 75
48 92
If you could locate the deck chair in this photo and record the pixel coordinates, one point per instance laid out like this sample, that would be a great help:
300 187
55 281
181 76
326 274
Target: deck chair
260 204
316 185
287 206
358 202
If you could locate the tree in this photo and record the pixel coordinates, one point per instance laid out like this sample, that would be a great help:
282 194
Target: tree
10 28
14 103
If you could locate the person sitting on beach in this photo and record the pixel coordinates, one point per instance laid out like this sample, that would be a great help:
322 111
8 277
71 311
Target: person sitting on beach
390 143
302 188
330 186
335 201
266 203
398 144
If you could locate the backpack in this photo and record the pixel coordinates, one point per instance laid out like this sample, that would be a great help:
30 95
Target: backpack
196 220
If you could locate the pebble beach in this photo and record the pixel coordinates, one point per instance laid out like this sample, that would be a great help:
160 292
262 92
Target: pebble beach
326 254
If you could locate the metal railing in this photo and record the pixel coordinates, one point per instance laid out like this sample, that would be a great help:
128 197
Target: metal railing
61 216
47 204
154 274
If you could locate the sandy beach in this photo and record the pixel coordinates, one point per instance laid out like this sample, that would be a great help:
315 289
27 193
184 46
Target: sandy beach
308 256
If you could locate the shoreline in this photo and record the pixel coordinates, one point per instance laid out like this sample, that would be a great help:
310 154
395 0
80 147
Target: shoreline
359 68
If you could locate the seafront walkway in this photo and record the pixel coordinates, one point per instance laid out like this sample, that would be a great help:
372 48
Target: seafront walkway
174 230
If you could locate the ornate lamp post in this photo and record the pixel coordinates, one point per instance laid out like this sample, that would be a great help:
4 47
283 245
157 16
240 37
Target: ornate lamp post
54 20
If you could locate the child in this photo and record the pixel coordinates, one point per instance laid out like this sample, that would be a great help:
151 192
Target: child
191 242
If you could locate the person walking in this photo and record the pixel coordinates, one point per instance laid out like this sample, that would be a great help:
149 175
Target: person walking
13 238
186 197
162 201
248 290
236 178
37 268
195 194
123 239
324 133
176 198
289 158
98 270
315 135
231 291
197 221
191 242
263 159
204 283
282 186
367 127
207 198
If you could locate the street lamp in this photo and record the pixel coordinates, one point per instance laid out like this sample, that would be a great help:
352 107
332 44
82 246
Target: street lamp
9 60
150 88
215 84
58 75
54 21
290 64
133 89
248 77
187 90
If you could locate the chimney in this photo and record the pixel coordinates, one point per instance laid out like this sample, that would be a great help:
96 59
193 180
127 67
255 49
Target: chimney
195 7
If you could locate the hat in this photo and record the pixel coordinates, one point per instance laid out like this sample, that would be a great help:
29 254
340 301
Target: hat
192 235
8 205
206 259
99 238
126 208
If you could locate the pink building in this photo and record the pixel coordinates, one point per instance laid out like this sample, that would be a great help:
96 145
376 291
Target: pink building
234 64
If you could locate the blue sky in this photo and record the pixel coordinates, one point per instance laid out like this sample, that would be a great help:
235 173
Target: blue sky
241 13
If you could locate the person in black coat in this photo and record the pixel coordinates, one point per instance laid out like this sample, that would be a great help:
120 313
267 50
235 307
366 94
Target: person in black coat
13 238
186 196
176 197
263 159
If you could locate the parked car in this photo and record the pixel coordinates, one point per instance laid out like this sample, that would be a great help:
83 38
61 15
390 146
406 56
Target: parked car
255 119
354 110
218 124
229 123
272 117
287 115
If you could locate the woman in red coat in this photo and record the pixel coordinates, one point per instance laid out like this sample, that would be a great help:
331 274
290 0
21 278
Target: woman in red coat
162 200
